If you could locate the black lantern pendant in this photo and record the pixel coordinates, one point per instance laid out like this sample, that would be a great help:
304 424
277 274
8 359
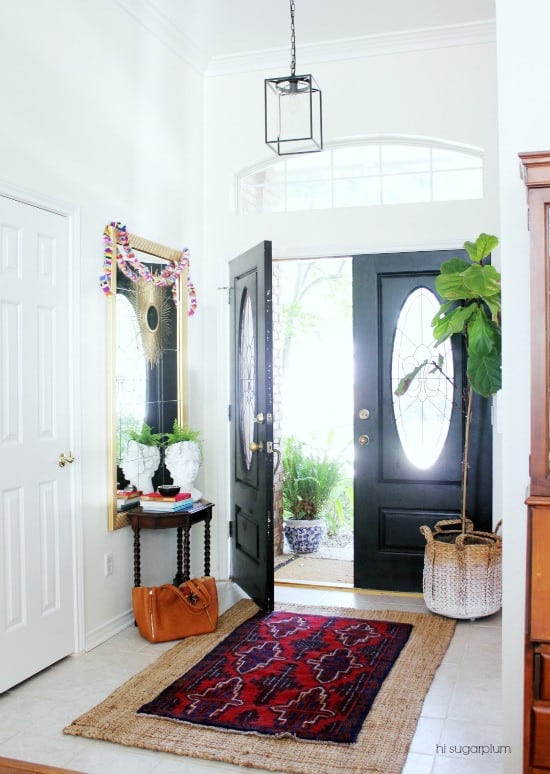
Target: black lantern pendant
293 119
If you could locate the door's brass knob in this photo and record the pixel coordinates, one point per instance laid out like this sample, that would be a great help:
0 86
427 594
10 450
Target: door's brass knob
62 460
364 440
256 447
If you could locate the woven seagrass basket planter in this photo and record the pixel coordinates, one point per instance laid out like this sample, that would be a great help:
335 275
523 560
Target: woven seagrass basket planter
462 572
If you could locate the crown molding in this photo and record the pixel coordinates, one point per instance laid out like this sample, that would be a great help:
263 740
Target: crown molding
472 33
159 25
146 13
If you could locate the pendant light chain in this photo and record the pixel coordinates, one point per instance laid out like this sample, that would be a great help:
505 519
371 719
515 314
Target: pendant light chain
292 40
292 108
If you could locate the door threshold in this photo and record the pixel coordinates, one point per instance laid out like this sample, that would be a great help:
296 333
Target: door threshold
348 587
315 584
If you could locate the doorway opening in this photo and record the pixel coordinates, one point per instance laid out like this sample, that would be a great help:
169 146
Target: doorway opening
313 416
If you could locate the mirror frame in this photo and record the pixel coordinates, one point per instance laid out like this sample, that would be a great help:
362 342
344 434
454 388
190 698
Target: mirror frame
118 519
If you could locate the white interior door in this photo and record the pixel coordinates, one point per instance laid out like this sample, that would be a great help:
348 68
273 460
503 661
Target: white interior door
37 605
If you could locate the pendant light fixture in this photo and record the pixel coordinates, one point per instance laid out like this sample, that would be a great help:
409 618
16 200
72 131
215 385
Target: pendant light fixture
293 119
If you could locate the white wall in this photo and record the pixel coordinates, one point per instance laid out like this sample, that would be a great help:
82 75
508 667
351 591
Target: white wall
422 93
524 125
432 93
97 113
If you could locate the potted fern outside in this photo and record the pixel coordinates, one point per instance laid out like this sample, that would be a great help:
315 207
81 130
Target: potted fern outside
308 482
462 566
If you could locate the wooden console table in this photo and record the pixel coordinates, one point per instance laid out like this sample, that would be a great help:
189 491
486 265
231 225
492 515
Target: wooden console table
183 521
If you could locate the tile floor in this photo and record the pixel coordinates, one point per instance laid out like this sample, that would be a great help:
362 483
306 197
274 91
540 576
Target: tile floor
461 713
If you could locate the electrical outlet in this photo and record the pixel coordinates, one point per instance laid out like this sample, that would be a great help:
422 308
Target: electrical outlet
108 563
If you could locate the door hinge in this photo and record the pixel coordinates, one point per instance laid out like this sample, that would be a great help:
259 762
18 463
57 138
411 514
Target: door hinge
229 413
230 529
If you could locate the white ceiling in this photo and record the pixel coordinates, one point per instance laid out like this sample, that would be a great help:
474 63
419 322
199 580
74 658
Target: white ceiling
229 35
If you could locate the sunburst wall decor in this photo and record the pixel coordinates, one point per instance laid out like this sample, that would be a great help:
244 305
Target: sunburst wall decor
153 313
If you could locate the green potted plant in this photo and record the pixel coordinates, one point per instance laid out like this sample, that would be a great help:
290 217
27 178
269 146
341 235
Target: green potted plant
308 482
145 436
141 457
183 457
462 567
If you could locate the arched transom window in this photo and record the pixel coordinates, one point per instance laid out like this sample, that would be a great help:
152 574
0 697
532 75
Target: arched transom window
364 174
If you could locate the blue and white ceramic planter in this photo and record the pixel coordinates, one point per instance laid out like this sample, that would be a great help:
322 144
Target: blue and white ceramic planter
304 535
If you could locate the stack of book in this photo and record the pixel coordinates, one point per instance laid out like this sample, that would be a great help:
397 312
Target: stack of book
153 501
127 499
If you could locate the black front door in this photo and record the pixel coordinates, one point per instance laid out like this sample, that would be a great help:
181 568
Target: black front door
252 424
408 452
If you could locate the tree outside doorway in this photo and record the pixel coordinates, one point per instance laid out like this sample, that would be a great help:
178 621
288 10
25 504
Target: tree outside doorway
313 362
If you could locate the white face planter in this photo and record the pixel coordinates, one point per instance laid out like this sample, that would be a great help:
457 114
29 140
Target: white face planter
183 460
139 465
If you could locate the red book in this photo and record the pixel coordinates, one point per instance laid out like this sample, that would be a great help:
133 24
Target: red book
156 497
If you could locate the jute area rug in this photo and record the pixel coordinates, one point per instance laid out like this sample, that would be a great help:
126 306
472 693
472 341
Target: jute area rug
383 741
316 569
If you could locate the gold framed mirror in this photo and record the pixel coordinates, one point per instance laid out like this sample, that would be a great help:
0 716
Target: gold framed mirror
147 366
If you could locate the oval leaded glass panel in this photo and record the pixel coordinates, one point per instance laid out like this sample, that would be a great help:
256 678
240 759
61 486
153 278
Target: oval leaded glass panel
247 377
423 413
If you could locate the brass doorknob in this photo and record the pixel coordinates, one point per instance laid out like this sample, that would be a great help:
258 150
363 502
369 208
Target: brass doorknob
62 460
256 447
364 440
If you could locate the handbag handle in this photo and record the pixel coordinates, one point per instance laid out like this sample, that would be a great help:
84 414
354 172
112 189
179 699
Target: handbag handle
198 589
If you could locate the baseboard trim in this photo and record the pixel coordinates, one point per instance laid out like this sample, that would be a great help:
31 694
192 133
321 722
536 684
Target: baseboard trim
107 630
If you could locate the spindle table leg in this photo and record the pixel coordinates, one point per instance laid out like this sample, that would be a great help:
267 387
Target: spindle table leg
207 545
186 552
180 576
137 558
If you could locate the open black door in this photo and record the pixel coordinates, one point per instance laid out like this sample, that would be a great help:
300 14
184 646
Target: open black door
252 424
408 454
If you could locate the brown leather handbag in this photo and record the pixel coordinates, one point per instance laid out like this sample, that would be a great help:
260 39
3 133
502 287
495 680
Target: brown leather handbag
170 613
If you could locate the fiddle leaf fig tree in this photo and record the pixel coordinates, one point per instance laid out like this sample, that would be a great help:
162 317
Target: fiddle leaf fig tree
471 307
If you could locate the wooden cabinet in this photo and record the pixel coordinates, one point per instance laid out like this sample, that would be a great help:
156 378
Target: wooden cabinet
539 575
543 670
536 175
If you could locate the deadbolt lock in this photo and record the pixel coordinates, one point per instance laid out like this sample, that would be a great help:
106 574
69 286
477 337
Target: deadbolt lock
260 418
364 414
364 440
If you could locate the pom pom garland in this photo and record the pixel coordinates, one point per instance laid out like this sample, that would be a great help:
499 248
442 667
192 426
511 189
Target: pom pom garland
135 270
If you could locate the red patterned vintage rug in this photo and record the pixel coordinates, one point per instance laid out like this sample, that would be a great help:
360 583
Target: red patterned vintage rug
382 743
288 674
